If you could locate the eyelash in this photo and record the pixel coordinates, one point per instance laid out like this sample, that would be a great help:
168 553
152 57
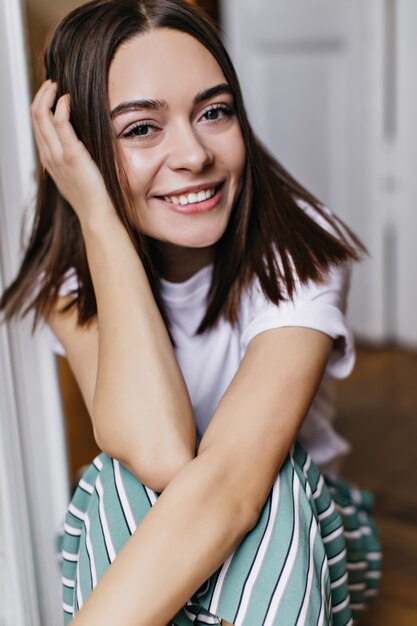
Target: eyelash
225 108
130 132
228 111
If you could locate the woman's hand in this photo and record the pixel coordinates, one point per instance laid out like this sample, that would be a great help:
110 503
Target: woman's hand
65 157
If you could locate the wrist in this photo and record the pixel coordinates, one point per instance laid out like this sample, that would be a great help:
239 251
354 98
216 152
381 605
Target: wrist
99 220
108 244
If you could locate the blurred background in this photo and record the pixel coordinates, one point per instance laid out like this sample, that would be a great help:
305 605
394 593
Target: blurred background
331 89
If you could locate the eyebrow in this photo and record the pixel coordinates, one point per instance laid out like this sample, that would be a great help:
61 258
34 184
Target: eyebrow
158 105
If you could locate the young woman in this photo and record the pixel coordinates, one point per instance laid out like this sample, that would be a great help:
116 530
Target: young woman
198 292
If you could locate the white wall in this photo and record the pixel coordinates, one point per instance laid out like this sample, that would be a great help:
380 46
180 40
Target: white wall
33 468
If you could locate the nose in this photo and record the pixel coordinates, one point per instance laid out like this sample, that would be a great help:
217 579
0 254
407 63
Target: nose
187 149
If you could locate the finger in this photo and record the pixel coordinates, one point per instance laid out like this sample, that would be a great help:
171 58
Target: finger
38 94
42 146
46 94
42 118
34 111
63 126
74 149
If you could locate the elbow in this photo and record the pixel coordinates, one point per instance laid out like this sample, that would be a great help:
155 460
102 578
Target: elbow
154 471
156 476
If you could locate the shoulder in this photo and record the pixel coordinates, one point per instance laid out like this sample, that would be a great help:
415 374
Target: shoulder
79 344
319 305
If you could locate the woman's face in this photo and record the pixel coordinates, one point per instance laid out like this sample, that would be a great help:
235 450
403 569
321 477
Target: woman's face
178 136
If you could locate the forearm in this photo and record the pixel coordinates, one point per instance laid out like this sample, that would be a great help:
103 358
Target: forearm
197 522
141 405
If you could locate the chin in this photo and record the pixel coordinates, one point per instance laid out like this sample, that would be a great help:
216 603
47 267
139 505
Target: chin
203 238
197 242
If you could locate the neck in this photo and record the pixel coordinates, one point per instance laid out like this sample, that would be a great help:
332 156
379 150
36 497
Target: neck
177 264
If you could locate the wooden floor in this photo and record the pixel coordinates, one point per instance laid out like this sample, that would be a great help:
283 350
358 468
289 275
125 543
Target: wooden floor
378 415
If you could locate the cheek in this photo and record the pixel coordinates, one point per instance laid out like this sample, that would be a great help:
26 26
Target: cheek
234 153
140 167
237 160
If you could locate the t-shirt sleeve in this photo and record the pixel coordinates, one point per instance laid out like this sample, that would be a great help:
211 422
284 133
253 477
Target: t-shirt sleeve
320 306
56 347
68 287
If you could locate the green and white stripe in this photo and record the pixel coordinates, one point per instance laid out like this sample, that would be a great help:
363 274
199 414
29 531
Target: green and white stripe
312 559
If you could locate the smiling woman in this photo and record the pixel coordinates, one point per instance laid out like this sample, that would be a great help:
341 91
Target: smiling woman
184 142
198 292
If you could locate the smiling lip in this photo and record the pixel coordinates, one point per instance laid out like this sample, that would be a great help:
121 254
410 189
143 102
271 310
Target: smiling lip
184 190
196 207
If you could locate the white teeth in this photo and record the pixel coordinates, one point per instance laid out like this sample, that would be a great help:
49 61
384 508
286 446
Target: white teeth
191 198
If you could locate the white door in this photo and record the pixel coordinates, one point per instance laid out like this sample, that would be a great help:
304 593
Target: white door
404 205
321 84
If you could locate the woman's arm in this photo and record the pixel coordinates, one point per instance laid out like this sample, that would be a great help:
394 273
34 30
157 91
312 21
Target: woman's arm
127 370
211 504
140 407
141 402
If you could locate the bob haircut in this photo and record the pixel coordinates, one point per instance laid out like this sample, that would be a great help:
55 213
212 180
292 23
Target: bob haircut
269 236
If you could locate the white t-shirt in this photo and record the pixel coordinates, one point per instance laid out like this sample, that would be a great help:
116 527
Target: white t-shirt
210 360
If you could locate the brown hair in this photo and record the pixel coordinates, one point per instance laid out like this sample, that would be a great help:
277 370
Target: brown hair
266 223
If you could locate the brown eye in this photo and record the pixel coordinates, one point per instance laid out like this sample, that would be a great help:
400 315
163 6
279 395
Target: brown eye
140 129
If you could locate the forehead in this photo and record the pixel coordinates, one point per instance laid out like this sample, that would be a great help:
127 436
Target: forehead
163 63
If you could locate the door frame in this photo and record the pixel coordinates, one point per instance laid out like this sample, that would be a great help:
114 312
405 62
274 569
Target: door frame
34 478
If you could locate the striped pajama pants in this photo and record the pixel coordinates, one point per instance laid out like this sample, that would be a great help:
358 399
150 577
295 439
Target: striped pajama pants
313 559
